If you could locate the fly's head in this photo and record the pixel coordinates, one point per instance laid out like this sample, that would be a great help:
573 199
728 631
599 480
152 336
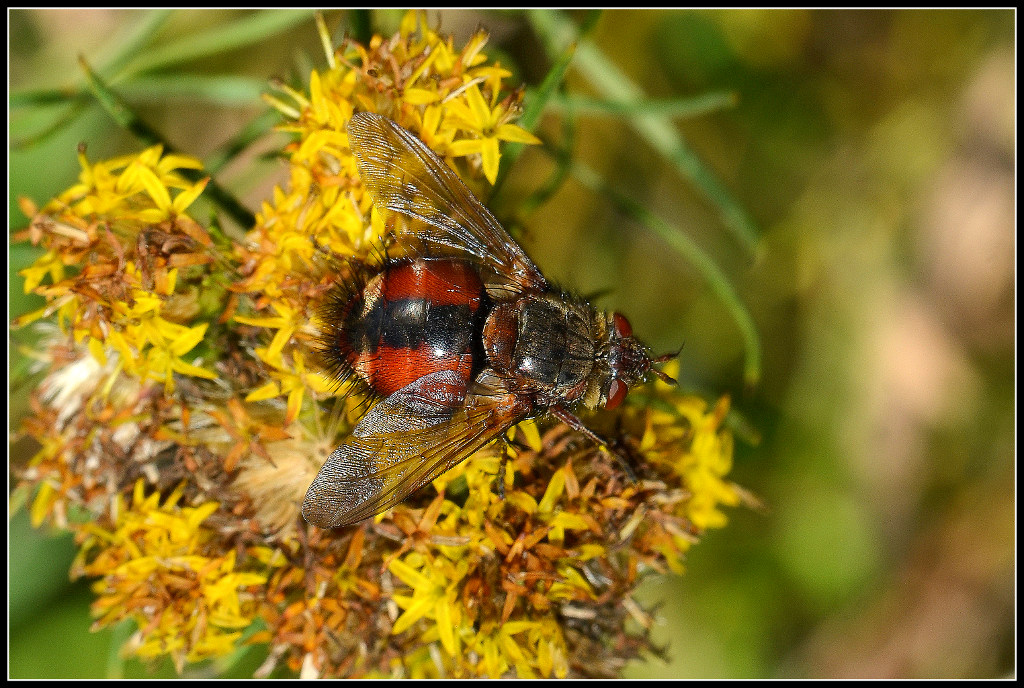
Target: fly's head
628 361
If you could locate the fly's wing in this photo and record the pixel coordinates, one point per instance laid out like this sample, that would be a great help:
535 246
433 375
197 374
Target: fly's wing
403 175
404 442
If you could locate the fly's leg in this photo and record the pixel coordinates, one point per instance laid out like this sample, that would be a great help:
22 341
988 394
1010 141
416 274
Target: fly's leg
618 450
499 480
627 458
498 484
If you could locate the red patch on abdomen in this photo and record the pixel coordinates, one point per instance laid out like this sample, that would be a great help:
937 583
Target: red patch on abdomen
442 282
390 369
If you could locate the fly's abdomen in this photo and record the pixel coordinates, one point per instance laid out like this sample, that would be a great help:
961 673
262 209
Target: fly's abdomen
414 318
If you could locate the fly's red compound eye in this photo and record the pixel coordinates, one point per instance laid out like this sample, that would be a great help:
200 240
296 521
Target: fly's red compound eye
622 326
617 391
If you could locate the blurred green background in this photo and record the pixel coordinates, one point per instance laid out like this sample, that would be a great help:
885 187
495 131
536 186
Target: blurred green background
872 152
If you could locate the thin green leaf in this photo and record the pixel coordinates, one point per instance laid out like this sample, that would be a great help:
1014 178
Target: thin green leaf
78 98
59 124
134 41
126 47
533 107
221 90
38 97
251 29
123 115
117 108
686 247
231 91
613 84
674 108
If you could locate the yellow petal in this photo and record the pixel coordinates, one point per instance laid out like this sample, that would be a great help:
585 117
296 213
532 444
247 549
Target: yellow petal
446 626
465 147
187 197
417 611
478 106
188 339
523 501
408 24
531 435
195 371
408 575
490 159
173 161
420 96
267 391
320 383
154 187
512 132
25 319
294 405
41 504
97 351
554 490
570 521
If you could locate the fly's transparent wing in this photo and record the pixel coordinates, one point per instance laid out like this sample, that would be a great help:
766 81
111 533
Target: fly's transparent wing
404 442
403 175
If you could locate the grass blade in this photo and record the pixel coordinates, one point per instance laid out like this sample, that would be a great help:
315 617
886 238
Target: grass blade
614 85
123 115
252 29
673 108
228 91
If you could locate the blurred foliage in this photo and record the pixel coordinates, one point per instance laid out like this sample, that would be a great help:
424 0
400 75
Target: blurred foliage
870 161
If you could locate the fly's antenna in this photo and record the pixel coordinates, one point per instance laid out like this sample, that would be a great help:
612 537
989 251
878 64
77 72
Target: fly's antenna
664 377
665 358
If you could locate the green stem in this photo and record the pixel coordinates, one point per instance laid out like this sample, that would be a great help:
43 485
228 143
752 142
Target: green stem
532 109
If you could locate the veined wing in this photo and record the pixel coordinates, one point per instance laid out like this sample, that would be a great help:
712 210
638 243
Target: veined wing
403 175
404 442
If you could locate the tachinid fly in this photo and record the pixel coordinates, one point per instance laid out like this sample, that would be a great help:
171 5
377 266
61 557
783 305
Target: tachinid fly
460 340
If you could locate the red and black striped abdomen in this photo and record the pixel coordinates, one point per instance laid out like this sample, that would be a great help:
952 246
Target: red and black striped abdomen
415 317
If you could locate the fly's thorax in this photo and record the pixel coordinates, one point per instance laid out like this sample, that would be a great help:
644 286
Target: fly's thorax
547 343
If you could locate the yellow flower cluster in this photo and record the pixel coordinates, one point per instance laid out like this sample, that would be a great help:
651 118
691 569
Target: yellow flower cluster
124 301
569 535
187 361
156 568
